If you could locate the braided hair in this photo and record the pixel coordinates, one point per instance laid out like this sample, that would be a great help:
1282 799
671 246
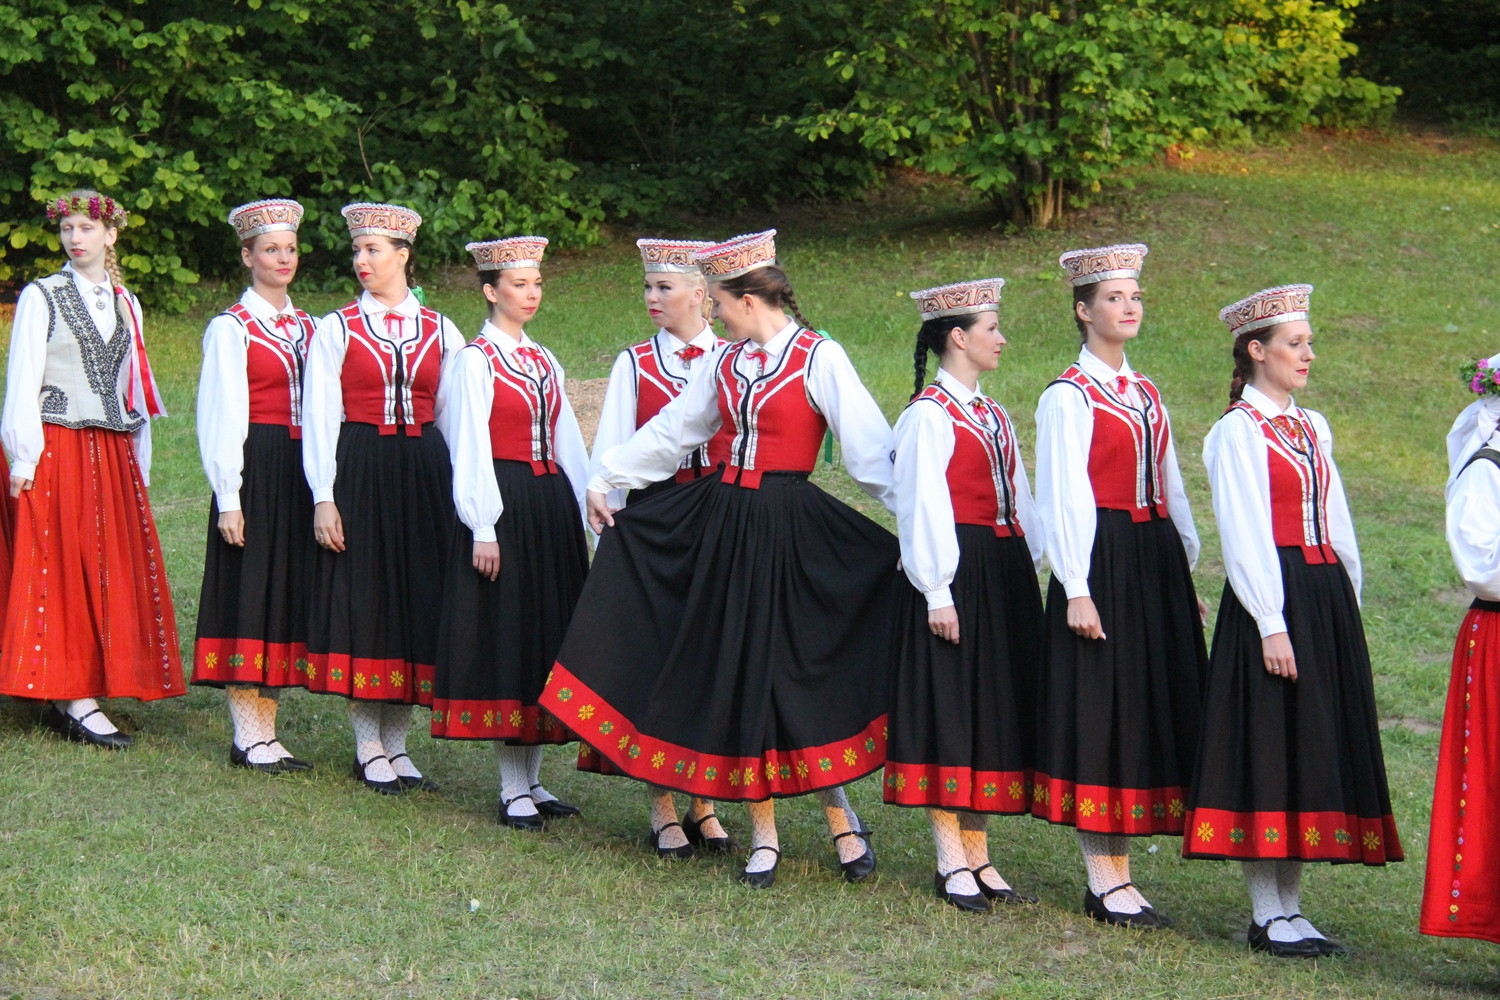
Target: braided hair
933 336
1244 364
769 284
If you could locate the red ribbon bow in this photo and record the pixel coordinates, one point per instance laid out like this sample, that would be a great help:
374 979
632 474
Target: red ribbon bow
1122 385
285 320
688 353
980 410
760 360
399 320
530 356
1292 429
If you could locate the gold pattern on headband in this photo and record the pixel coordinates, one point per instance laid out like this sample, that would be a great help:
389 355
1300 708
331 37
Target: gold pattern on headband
741 255
670 256
1282 304
1122 260
959 299
269 216
511 252
370 219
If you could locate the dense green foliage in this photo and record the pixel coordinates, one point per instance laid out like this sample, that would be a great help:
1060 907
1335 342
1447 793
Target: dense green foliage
1031 100
554 116
1443 54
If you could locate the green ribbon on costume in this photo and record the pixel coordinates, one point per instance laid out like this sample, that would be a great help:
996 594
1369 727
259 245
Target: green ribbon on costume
419 295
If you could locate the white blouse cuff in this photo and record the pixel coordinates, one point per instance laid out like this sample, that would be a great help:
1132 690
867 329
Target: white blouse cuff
1270 625
323 494
1076 588
600 484
23 470
484 534
228 501
940 598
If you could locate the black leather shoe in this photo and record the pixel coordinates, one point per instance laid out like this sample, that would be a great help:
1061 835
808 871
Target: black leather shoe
713 845
289 763
975 903
74 731
1327 946
555 807
241 758
863 866
534 823
765 879
1094 907
383 787
1259 937
1008 896
414 783
684 853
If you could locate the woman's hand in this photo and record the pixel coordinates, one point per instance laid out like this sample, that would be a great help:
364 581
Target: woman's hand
487 559
599 513
232 527
1083 618
19 486
328 527
1203 612
1277 649
944 623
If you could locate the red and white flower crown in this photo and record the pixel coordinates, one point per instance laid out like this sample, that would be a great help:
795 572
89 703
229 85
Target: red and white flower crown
95 206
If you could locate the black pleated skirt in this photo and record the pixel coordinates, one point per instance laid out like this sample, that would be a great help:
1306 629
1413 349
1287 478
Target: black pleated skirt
963 718
500 638
252 610
1118 717
1293 769
374 613
734 643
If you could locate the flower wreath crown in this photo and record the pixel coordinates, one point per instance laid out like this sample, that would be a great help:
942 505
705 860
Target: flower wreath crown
96 207
1481 377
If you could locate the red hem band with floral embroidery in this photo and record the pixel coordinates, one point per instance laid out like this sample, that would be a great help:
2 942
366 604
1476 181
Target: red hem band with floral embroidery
370 679
964 788
250 661
482 719
1132 812
1305 836
714 776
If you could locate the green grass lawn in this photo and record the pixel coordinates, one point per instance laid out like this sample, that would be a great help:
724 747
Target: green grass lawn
163 873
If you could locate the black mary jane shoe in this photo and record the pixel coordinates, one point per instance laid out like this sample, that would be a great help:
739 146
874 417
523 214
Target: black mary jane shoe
685 852
861 867
1007 896
290 763
1094 907
713 845
241 758
74 731
765 879
383 787
535 823
970 903
1259 939
555 807
414 783
1327 946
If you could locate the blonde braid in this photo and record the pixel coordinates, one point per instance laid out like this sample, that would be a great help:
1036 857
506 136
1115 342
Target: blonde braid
112 265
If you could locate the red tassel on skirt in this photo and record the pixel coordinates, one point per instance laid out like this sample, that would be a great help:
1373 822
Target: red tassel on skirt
90 613
1461 897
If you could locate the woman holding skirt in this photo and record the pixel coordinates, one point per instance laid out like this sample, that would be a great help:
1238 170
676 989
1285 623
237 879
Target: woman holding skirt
382 487
514 575
645 378
1461 897
89 614
969 628
252 614
731 641
1118 703
1289 767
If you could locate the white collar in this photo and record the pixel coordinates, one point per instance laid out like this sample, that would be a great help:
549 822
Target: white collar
263 310
84 284
1099 369
774 347
371 306
668 345
957 389
1265 405
505 341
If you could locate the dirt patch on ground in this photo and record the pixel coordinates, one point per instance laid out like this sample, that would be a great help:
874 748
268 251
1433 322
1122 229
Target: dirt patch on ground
1419 726
587 397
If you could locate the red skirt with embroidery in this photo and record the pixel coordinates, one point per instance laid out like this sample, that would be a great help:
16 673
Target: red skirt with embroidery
1461 897
90 613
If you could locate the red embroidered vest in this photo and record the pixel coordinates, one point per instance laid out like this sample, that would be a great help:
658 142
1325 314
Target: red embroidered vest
527 404
274 365
391 383
981 473
655 387
1125 454
1299 484
775 426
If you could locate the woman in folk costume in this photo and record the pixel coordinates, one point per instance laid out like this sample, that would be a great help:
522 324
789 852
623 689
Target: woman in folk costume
1119 700
731 641
1289 768
90 613
645 378
252 615
519 467
969 629
382 488
1461 897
